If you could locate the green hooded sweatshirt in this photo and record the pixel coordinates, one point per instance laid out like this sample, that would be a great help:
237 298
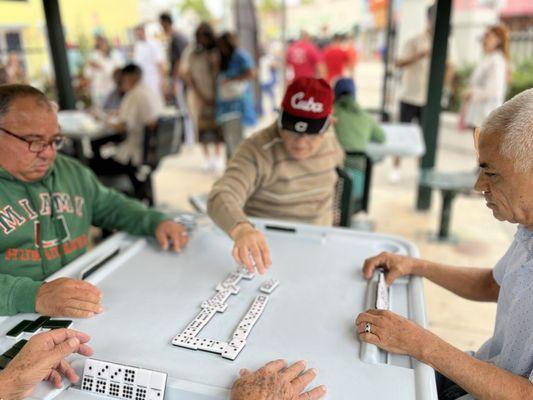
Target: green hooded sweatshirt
44 225
355 128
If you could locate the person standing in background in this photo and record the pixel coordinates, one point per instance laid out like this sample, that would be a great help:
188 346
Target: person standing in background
176 89
336 59
304 59
149 56
236 71
488 83
350 45
198 69
414 64
102 63
15 72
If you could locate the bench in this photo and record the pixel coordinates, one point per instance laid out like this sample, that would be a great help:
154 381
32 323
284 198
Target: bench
450 185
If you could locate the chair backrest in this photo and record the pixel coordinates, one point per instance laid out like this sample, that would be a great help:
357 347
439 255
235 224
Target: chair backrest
342 204
345 204
162 140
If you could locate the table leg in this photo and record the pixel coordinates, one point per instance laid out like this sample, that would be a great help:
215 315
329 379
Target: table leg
446 212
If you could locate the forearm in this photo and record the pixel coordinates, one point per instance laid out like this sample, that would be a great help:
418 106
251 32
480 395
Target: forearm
225 210
470 283
482 380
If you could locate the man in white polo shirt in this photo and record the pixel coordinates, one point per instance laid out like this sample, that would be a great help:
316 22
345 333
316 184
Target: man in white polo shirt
503 367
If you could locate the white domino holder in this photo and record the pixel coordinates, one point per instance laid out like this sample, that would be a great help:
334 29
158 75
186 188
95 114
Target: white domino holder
119 381
378 296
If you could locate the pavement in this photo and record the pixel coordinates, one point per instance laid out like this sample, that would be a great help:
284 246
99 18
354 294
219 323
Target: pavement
480 239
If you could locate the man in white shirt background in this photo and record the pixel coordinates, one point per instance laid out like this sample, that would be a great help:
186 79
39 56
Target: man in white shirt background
139 109
149 55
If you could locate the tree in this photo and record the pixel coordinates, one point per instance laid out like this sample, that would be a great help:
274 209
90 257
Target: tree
198 7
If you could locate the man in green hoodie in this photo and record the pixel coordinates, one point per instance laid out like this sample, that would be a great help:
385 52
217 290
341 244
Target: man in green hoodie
354 128
47 204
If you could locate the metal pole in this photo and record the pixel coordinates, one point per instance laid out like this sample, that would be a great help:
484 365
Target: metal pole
430 119
56 40
387 73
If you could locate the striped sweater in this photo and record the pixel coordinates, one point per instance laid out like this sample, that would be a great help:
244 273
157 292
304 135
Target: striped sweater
262 180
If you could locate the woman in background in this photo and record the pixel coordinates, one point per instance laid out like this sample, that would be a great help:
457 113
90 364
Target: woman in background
234 91
102 63
488 83
198 69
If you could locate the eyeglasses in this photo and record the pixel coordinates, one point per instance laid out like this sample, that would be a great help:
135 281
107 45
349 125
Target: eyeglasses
37 146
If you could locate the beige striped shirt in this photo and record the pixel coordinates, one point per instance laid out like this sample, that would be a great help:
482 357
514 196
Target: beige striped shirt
263 180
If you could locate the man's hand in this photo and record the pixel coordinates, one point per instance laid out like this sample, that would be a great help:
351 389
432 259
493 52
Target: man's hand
276 381
250 247
172 235
66 297
394 265
393 333
43 358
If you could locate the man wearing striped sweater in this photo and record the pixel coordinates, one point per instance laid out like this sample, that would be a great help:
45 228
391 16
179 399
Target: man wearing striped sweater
286 171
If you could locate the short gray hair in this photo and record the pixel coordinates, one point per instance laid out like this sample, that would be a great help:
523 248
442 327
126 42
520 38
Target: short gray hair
513 121
9 93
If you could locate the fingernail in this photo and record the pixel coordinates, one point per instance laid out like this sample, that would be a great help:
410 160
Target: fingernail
73 342
90 315
314 371
324 388
100 310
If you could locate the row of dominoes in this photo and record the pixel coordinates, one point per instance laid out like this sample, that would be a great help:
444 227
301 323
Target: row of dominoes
122 381
232 349
250 318
198 323
188 338
382 293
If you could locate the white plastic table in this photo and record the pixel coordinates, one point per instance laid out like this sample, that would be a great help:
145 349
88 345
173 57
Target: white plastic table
401 140
150 295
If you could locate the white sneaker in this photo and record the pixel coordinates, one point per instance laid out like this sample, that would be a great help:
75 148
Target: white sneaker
219 165
394 175
207 165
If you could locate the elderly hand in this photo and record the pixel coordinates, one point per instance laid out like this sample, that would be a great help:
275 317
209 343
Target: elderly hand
250 247
393 333
394 265
277 381
66 297
171 234
43 358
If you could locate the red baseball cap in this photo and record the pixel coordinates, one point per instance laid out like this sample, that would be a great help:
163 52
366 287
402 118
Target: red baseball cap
306 106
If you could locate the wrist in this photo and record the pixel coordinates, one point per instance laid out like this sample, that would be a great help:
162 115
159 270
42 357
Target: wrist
419 267
241 227
428 345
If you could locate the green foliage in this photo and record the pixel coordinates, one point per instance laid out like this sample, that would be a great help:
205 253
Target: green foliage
268 6
198 7
522 78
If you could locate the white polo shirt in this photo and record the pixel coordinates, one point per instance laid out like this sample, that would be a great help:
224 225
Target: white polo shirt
511 346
